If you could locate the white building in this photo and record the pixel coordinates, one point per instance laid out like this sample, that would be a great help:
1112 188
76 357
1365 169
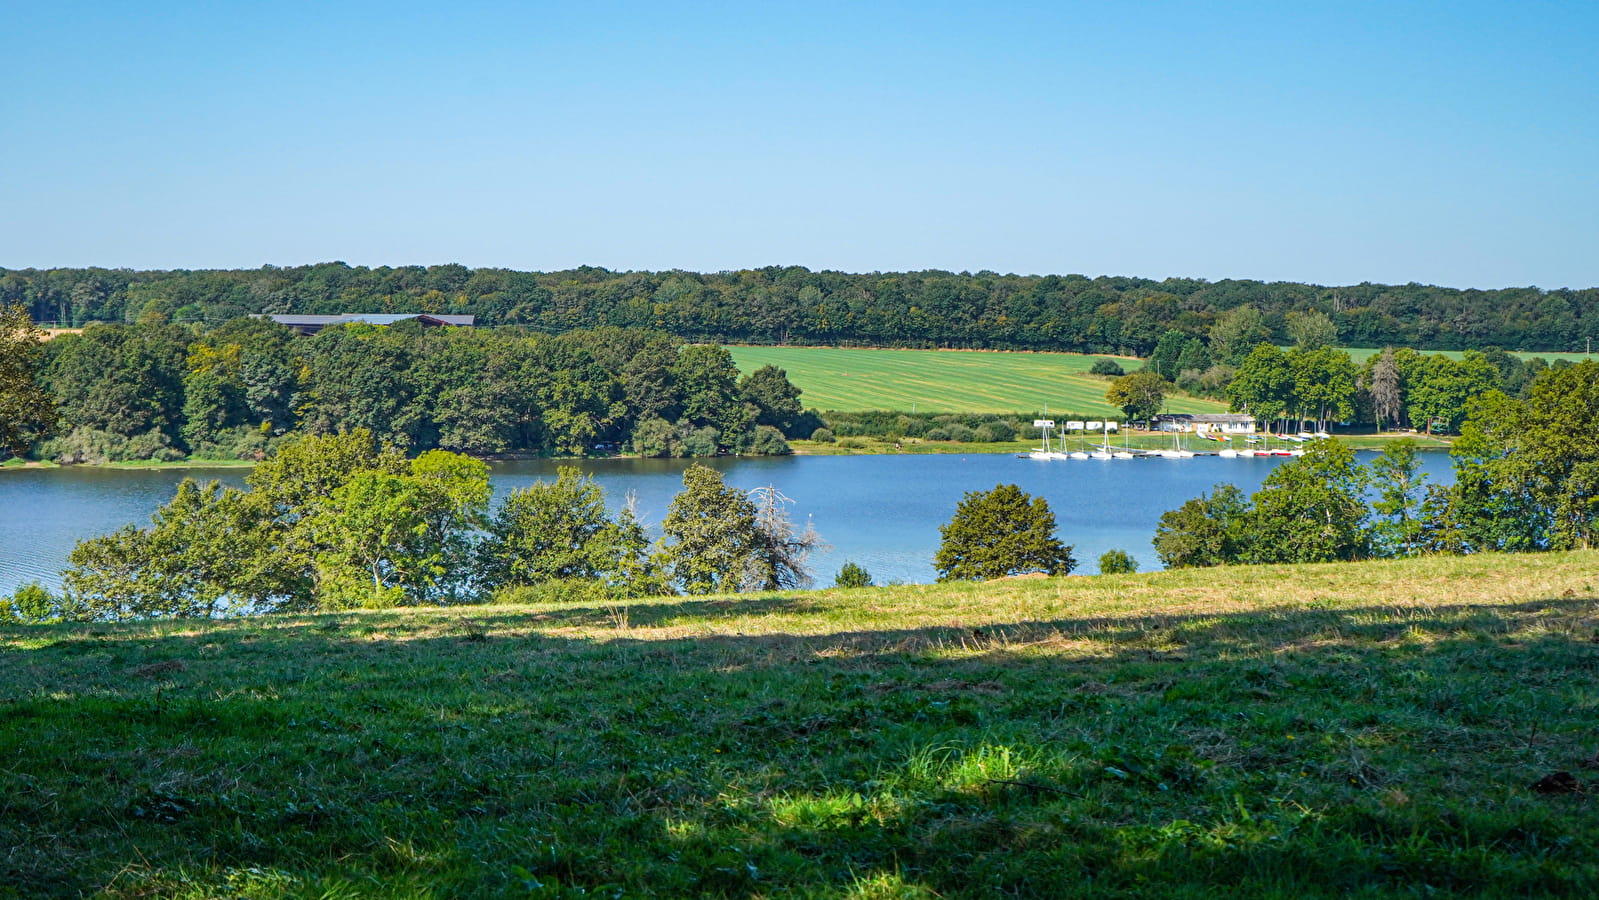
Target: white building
1207 423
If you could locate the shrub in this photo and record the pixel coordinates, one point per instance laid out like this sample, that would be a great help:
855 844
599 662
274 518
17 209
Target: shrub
1117 562
240 442
852 443
561 590
940 433
656 437
996 432
823 435
1106 367
32 604
84 445
701 441
805 423
960 433
852 576
769 442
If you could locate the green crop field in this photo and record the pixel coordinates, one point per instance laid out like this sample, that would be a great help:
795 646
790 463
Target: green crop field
851 380
1406 729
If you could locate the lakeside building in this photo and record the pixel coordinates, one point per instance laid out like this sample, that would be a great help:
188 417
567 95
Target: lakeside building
1206 423
308 324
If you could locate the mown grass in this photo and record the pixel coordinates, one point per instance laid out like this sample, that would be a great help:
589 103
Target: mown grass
1365 730
853 380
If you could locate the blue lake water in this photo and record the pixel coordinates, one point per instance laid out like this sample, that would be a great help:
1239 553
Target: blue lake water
882 512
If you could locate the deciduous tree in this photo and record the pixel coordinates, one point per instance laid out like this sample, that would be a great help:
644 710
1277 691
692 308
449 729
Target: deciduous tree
1205 531
1001 532
1310 509
26 411
711 537
1396 475
1140 394
558 531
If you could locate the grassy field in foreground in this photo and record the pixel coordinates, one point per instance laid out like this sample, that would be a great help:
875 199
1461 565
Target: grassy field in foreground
848 379
1366 730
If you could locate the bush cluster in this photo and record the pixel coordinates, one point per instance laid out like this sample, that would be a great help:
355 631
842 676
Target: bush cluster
956 427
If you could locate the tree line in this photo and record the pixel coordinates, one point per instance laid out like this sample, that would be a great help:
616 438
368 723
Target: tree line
794 305
1312 383
160 390
339 521
1526 479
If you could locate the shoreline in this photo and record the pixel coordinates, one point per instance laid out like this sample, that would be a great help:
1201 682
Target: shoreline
850 446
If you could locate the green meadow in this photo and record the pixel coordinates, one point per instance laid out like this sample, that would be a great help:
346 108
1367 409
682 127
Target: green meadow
848 379
1413 728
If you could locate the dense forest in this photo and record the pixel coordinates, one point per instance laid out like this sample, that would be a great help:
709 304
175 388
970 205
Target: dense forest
159 390
793 305
164 391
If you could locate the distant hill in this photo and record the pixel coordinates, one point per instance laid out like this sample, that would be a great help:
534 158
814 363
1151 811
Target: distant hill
794 305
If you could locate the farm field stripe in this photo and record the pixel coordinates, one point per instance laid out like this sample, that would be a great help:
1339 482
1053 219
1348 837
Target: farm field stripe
849 379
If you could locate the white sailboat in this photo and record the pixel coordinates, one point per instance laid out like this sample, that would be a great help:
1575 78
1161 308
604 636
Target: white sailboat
1104 448
1177 452
1043 452
1127 451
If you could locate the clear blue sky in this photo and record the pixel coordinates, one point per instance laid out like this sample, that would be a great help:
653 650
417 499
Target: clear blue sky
1454 143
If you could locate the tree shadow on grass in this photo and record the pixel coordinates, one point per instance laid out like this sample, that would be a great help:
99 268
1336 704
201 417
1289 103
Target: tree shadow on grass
1288 751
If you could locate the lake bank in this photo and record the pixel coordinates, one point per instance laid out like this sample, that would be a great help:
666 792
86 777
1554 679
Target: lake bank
839 447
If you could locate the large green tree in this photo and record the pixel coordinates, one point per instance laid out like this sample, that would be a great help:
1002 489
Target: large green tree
707 382
1237 332
1310 509
1209 530
1538 457
559 531
776 398
1001 532
26 411
386 539
1263 386
1441 389
712 543
1324 385
1140 395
